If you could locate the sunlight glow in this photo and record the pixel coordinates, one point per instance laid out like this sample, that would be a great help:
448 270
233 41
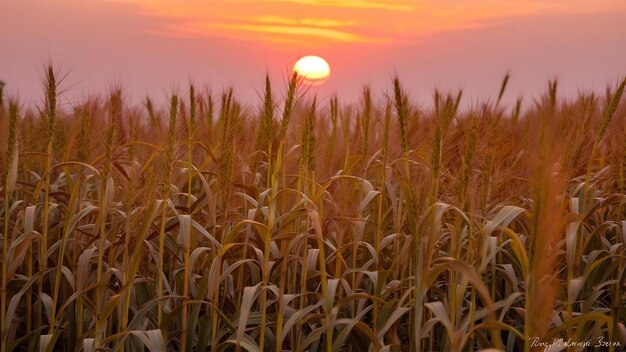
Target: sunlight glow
313 69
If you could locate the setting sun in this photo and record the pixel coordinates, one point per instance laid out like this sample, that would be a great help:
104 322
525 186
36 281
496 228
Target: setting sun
313 69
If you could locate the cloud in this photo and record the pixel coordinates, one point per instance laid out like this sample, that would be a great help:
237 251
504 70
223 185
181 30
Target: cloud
314 22
288 31
358 4
344 21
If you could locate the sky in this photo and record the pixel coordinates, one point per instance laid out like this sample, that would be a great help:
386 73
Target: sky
157 47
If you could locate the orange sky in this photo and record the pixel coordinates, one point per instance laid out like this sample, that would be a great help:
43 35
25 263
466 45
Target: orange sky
318 24
151 47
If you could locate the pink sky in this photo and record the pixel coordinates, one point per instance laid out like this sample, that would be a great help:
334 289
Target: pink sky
151 47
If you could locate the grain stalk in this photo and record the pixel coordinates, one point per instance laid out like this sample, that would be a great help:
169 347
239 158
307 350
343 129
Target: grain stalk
547 224
186 336
50 115
402 111
84 141
265 136
330 149
154 121
168 168
614 101
105 191
2 84
380 199
211 108
383 178
290 101
307 145
274 169
9 177
503 86
229 114
365 125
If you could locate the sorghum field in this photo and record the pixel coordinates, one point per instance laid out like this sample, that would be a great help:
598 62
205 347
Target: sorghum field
198 223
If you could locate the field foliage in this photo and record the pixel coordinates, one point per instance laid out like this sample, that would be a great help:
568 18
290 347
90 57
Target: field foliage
301 223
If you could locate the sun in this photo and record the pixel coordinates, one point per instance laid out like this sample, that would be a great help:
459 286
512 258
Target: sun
313 69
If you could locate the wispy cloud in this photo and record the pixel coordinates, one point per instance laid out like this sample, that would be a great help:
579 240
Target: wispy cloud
285 30
314 22
359 4
324 22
